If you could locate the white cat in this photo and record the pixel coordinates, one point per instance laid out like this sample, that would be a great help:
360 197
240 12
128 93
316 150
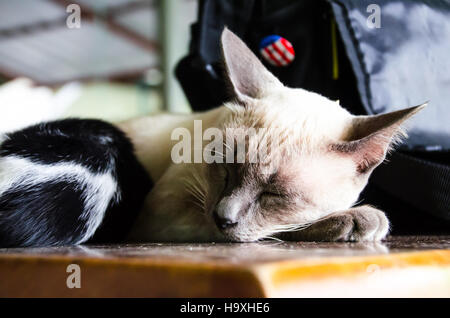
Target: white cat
305 187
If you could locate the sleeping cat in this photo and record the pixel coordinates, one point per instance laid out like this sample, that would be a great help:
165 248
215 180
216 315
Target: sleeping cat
305 187
75 181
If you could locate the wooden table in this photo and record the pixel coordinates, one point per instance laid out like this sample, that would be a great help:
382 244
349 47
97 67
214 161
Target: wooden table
399 267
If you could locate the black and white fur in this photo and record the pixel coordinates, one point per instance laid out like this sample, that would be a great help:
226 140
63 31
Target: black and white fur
68 182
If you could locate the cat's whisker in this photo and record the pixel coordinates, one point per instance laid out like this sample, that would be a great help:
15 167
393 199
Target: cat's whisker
195 194
358 202
200 182
197 204
193 186
219 153
197 189
198 195
197 201
272 238
290 227
227 146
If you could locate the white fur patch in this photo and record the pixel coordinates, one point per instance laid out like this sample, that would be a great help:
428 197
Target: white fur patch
100 188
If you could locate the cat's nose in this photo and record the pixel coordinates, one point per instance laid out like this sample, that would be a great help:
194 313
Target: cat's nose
223 222
226 213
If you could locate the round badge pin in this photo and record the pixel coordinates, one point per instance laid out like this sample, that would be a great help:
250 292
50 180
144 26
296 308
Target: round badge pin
277 50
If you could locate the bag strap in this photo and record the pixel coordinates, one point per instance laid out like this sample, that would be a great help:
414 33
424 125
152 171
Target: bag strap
428 186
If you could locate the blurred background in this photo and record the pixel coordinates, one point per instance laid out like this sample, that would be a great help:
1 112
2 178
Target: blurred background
116 65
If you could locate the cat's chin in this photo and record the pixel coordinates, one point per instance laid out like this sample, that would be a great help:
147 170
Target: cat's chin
233 237
239 240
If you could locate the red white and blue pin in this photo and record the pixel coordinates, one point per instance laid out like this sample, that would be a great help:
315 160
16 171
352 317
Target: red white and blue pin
277 50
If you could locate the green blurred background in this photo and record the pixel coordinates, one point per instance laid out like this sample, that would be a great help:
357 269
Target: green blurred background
122 56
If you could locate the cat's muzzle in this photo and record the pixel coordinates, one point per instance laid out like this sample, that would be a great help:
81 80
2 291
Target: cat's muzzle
223 223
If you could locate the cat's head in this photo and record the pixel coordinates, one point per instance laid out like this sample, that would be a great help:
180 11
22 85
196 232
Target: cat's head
317 160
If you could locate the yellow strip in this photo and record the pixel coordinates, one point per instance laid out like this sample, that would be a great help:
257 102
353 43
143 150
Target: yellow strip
334 50
288 271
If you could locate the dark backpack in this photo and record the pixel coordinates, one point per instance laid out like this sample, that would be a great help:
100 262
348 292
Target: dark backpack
370 70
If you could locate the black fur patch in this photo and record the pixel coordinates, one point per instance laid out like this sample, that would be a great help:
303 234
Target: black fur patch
48 213
43 214
91 143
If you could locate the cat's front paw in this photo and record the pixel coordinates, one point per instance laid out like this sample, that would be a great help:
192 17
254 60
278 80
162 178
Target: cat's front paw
358 224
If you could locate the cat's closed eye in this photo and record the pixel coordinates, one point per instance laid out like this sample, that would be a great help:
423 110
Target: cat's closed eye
270 195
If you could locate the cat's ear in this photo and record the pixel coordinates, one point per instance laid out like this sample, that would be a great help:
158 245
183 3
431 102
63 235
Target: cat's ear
369 138
247 76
